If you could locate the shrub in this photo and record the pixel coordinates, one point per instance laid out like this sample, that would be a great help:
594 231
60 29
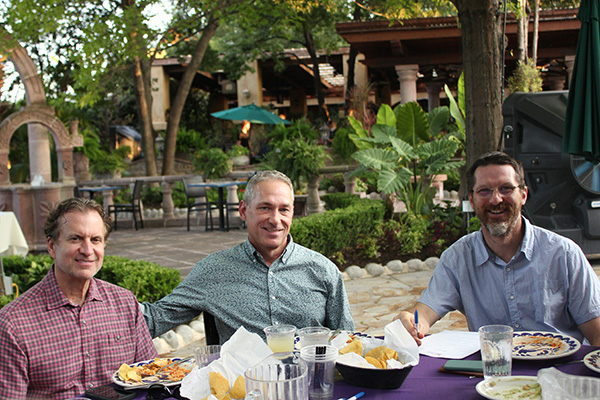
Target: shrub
333 231
213 163
339 200
148 281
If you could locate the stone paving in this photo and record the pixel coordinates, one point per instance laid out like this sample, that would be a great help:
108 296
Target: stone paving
374 300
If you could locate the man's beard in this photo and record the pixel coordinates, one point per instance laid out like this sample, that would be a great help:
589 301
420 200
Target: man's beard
505 227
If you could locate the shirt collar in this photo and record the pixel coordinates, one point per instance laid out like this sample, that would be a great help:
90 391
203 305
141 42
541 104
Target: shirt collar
56 298
483 253
284 257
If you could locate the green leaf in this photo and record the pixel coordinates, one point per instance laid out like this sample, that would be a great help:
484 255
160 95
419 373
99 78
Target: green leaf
412 123
359 135
390 181
377 159
438 118
385 116
383 133
404 149
456 113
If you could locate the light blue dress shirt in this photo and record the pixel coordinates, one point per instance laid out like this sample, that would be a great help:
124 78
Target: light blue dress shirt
547 286
301 288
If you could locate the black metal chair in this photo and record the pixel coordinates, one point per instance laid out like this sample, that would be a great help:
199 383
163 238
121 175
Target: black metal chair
194 193
135 207
232 207
210 329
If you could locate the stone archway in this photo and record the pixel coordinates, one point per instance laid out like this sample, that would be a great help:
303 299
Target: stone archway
43 115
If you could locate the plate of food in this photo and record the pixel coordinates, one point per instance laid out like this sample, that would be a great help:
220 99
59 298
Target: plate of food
519 387
543 345
592 360
142 375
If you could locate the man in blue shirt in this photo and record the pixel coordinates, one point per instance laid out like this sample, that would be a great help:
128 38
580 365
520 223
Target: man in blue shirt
264 281
510 272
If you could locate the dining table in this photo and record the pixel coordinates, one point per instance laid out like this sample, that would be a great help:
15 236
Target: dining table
426 381
222 203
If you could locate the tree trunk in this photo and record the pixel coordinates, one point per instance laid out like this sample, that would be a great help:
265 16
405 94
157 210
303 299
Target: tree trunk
180 97
350 84
536 29
522 31
310 47
145 118
482 64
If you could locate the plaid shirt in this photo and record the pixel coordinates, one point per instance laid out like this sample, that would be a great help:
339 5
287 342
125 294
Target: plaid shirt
53 349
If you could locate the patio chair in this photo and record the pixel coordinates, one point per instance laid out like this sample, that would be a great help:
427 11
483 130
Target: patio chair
197 200
135 207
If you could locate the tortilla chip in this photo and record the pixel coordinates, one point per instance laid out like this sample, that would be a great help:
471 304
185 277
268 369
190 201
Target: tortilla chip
161 362
355 346
224 396
219 385
377 353
238 391
134 375
390 354
375 362
123 369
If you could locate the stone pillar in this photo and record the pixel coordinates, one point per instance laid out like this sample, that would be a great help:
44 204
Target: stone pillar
4 173
160 97
569 63
433 94
313 201
39 152
407 74
349 183
66 172
249 87
167 200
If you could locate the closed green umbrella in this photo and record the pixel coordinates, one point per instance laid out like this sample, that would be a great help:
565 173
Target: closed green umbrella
251 113
582 121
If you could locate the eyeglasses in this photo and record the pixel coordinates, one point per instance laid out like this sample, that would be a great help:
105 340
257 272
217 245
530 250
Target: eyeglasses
504 191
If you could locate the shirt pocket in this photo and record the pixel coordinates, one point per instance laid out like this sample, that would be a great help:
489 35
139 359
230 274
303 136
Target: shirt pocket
551 307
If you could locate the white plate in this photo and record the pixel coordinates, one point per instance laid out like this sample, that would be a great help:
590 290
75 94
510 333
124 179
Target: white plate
510 387
150 380
592 360
532 345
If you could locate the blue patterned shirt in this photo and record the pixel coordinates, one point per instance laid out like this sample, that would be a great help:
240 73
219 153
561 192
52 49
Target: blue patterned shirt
301 288
548 285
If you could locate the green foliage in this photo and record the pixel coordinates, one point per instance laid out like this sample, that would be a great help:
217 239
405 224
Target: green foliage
342 145
148 281
407 151
299 129
237 151
298 158
335 180
474 224
189 141
340 200
526 78
212 163
331 232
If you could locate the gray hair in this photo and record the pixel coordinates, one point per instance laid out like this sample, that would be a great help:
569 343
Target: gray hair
262 176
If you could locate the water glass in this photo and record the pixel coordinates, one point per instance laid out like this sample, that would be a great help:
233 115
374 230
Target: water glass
277 378
496 350
207 354
280 338
320 360
313 335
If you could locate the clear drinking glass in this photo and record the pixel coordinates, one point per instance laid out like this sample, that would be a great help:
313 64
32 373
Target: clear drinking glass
312 335
496 350
320 360
207 354
280 338
277 378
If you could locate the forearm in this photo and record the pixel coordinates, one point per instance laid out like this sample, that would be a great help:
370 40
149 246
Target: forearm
427 317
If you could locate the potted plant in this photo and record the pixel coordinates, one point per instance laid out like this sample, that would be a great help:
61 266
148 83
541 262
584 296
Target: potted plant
212 163
239 155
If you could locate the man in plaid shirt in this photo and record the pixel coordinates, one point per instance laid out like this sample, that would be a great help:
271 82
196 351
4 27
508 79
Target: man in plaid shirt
71 331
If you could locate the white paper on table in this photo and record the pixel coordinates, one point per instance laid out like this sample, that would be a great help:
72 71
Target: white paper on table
242 351
450 344
395 337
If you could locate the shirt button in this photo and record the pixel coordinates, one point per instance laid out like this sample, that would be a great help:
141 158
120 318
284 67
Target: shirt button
87 353
517 326
90 385
507 269
83 321
271 273
273 297
512 297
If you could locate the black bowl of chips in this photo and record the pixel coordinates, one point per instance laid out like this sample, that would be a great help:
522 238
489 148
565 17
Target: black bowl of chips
373 378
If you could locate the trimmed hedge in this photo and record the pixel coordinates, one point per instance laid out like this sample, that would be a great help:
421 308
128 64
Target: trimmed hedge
331 232
148 281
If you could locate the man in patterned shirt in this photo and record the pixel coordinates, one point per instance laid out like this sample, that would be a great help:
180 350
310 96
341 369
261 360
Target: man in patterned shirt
264 281
71 331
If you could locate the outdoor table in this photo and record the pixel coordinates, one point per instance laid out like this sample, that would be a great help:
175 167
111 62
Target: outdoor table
220 185
107 193
12 242
425 381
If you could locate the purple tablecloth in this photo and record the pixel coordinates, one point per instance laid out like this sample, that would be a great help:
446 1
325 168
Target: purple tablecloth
427 382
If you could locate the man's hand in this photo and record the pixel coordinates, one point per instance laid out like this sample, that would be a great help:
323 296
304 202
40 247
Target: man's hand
408 320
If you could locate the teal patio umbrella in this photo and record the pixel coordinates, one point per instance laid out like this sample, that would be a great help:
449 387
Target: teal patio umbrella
582 120
251 113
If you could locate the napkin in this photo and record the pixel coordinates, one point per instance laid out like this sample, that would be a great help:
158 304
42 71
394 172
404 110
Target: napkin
395 337
242 351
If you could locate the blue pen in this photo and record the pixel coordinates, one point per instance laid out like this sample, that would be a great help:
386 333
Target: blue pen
417 321
357 396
